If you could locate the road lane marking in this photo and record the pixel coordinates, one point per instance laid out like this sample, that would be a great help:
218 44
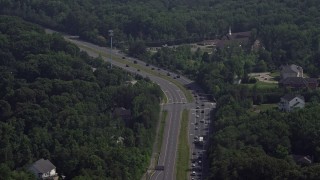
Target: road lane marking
165 151
158 175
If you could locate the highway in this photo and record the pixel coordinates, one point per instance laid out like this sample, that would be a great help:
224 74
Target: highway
174 106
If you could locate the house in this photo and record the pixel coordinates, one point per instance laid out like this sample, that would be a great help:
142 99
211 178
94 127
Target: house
122 113
44 169
290 102
291 71
299 82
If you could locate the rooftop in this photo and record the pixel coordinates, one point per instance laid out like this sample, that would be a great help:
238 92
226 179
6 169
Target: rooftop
43 166
289 97
291 68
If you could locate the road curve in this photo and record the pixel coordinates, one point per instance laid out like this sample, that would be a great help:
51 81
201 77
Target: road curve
174 106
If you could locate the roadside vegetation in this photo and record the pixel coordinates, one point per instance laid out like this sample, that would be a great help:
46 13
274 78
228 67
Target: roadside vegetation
187 93
182 163
58 103
243 146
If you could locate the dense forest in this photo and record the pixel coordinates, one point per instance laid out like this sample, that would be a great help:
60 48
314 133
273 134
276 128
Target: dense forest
250 145
245 145
56 102
288 29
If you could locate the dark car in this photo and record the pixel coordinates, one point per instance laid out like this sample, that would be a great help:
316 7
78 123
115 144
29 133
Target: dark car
138 69
123 57
147 64
178 76
127 65
135 62
168 74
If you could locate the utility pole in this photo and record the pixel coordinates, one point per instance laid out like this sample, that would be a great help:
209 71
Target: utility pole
111 35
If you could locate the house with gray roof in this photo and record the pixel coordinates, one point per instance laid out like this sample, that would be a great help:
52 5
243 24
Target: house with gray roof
290 102
44 169
299 82
291 71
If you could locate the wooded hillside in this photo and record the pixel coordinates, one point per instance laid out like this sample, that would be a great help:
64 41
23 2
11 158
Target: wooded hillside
54 105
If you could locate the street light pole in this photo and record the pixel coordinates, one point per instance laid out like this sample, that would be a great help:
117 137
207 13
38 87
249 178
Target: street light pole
111 35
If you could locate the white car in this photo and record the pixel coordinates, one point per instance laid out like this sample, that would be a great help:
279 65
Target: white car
193 173
197 116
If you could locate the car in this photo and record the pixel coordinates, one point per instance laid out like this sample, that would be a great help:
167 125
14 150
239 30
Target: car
196 128
138 69
159 69
123 57
199 161
197 107
202 104
127 65
168 74
194 153
193 173
135 62
178 76
197 116
202 120
202 111
196 123
193 165
196 137
152 68
147 64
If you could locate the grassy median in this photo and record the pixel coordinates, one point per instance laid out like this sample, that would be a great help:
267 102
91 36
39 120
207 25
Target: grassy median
160 133
182 166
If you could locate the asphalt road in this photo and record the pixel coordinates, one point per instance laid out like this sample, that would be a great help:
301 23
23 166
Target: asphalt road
176 102
175 105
